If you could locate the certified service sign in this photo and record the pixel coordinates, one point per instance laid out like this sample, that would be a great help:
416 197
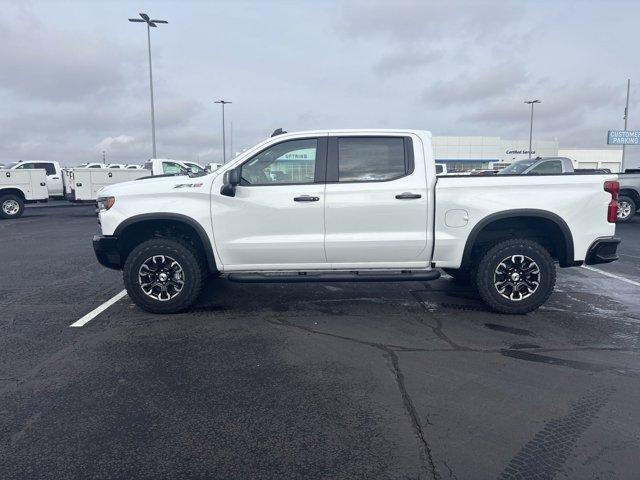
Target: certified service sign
622 137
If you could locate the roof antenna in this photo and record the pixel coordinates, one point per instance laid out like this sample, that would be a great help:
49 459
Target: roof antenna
278 131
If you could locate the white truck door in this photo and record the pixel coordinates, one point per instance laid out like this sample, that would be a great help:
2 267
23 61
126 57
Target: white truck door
276 218
54 176
376 202
54 181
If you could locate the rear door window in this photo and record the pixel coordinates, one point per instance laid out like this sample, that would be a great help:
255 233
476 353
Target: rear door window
50 169
372 159
550 166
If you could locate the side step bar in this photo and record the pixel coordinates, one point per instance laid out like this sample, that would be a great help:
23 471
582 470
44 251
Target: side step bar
405 276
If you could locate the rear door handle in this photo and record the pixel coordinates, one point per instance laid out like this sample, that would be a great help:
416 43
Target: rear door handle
306 198
408 196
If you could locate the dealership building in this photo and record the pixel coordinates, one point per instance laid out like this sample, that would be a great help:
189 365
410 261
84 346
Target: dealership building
467 153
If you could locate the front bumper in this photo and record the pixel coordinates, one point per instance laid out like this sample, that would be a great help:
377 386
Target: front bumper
603 250
107 253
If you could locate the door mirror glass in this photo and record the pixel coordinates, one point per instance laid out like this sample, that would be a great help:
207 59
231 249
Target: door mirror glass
232 177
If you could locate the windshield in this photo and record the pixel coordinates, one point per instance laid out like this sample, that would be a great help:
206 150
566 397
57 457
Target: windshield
195 167
195 170
517 168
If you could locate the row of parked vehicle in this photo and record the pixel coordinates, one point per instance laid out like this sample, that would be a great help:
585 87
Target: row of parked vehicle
29 182
38 181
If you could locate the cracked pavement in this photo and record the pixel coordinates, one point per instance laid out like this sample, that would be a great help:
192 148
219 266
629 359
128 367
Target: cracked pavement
399 381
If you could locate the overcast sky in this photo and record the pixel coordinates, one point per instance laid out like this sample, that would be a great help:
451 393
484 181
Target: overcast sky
74 78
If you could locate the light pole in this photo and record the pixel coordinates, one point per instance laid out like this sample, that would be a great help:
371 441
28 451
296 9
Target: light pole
531 102
224 144
150 23
626 116
231 140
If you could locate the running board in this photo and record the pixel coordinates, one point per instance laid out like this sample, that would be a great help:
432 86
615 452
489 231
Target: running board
405 276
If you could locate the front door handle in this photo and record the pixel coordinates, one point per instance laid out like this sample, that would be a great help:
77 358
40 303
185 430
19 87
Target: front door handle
306 198
408 196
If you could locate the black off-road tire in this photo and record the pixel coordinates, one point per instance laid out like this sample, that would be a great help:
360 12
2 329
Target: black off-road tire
192 263
632 208
12 202
490 261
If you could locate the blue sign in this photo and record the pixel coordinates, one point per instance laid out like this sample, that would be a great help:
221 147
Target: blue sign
622 137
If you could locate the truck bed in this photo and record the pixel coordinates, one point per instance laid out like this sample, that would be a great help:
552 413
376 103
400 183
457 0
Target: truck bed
461 203
87 182
31 182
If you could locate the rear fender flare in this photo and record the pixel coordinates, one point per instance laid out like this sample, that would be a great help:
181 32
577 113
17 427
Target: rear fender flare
560 223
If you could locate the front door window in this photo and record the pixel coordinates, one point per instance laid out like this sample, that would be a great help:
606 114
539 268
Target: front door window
291 162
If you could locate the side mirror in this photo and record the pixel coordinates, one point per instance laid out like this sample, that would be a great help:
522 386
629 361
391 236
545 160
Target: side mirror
230 180
233 177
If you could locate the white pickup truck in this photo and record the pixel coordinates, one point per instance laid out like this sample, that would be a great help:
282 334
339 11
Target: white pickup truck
168 166
353 205
21 186
54 173
629 202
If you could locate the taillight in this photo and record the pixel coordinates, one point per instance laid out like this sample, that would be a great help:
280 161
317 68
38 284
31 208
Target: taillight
613 187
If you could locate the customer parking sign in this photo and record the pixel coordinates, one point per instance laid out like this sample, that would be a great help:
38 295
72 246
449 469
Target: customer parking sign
623 137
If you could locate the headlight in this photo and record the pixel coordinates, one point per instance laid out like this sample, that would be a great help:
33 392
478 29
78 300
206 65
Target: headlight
105 203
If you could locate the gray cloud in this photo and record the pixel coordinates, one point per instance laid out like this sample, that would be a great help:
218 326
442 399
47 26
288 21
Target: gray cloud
582 112
405 60
471 87
413 20
42 62
70 87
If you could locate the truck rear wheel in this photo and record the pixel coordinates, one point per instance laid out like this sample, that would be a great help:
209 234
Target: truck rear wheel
626 208
164 275
516 276
11 206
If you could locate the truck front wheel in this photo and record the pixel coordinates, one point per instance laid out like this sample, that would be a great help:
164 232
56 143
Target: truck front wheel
163 275
11 206
516 276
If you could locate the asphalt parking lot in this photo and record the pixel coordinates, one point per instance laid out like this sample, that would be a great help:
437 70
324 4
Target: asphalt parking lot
400 381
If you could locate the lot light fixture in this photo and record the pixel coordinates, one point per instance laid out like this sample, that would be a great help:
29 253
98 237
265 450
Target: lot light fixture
144 18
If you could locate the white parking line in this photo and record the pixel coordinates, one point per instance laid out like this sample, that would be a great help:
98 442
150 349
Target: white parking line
94 313
612 275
